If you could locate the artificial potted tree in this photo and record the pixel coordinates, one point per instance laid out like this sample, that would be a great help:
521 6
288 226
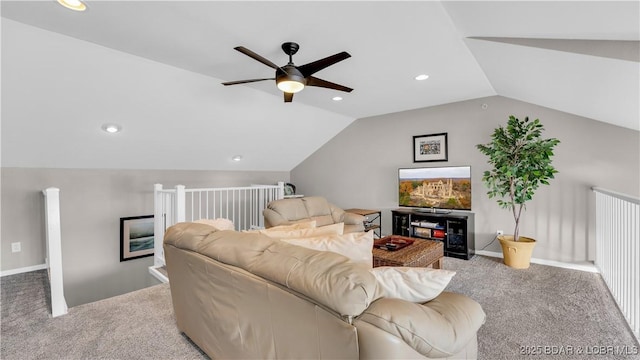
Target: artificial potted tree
521 162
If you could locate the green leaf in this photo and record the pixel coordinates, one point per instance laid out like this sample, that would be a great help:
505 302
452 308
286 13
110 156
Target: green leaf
520 160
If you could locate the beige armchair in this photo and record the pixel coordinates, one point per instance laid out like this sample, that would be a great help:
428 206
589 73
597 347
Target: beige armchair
289 211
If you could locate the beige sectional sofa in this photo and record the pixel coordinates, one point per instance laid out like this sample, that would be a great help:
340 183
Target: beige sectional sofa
289 211
247 296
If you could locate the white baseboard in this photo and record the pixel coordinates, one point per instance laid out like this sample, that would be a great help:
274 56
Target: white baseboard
23 270
581 267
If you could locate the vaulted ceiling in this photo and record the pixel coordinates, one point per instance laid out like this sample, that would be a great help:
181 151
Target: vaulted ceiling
580 57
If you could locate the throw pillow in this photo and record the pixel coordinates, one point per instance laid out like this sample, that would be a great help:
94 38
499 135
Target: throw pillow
355 246
219 223
307 224
413 284
302 233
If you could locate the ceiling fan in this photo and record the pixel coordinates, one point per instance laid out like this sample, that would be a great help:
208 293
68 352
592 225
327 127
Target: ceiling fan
291 78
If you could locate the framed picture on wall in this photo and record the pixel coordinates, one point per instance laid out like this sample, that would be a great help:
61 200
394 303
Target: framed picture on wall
136 237
431 147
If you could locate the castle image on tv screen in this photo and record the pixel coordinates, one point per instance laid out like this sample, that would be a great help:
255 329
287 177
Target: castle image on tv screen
441 188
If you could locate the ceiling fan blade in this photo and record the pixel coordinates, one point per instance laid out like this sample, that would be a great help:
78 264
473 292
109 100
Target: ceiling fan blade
244 81
314 67
288 97
255 56
314 81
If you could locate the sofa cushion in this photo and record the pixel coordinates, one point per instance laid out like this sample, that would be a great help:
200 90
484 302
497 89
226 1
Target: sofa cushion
328 278
453 321
316 206
303 224
219 223
320 210
355 246
289 209
415 284
323 220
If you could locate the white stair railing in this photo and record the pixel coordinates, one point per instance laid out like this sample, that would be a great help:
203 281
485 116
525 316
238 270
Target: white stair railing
618 250
242 205
54 250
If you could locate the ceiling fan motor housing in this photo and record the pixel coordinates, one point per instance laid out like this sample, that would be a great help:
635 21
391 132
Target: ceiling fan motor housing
290 73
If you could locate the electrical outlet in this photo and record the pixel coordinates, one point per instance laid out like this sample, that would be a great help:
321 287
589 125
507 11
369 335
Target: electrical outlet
499 232
15 247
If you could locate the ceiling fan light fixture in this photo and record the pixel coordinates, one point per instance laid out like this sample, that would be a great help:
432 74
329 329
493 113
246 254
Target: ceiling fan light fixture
75 5
289 79
290 86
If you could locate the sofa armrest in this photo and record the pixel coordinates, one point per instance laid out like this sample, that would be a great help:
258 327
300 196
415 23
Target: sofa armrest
441 327
353 219
347 218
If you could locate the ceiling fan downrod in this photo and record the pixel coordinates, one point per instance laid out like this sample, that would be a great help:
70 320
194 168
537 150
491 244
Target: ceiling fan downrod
290 48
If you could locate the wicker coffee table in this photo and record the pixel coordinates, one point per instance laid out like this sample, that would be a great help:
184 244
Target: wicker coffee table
422 253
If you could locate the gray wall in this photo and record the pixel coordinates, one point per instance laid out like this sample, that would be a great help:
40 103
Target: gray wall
92 203
358 168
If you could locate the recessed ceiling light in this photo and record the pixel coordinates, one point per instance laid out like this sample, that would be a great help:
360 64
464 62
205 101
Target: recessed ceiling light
76 5
237 158
336 98
111 128
422 77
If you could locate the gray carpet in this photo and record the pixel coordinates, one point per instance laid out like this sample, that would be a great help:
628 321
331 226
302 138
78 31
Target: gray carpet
543 309
137 325
538 307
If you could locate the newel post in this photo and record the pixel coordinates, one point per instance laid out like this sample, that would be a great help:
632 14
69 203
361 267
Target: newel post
180 204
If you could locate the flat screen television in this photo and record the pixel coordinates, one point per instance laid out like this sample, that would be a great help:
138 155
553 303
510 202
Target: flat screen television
446 188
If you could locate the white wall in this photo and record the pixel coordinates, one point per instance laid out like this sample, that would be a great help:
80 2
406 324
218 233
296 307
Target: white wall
92 203
358 168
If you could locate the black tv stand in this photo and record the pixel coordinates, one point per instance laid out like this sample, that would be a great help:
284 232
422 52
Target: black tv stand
453 228
432 211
